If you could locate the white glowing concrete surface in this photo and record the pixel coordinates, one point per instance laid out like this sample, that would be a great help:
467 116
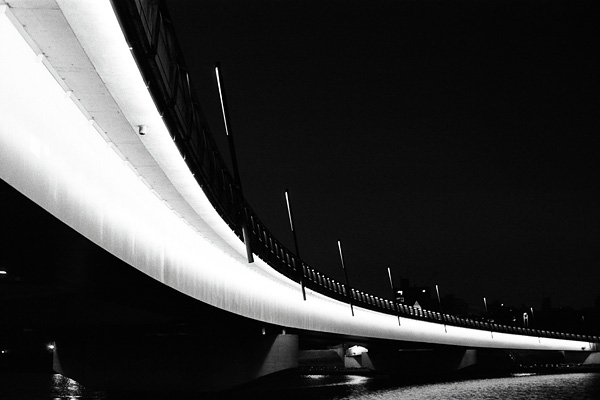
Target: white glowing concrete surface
71 101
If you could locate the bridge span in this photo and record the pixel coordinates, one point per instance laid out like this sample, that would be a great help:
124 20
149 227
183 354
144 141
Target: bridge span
100 127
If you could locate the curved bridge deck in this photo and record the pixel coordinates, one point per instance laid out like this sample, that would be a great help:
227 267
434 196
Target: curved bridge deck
73 103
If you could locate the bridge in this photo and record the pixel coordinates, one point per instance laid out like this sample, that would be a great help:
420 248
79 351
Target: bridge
101 134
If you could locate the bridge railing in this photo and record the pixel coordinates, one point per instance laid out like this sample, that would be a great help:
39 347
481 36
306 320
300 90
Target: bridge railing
150 33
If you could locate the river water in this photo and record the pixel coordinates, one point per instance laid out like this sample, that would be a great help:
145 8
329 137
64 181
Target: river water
575 386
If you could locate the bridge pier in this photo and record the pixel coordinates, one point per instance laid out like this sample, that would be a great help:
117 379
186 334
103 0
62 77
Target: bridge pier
173 363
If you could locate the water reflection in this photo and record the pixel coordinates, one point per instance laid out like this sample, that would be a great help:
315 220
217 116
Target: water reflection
329 380
584 386
63 388
580 386
563 387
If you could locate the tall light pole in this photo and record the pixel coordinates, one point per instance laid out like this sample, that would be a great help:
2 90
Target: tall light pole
396 305
437 290
300 268
348 288
487 316
234 164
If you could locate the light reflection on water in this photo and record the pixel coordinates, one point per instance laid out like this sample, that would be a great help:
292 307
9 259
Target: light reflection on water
43 386
576 386
341 380
64 387
584 386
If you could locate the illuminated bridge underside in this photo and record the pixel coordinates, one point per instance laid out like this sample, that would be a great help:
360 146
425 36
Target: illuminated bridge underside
72 99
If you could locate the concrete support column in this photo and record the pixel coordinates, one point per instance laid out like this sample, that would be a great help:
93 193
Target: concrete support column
468 359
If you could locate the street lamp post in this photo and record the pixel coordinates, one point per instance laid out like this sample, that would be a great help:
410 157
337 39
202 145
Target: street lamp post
487 316
348 288
396 305
437 290
300 268
234 164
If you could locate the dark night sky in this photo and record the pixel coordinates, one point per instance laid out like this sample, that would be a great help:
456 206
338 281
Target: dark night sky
455 141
